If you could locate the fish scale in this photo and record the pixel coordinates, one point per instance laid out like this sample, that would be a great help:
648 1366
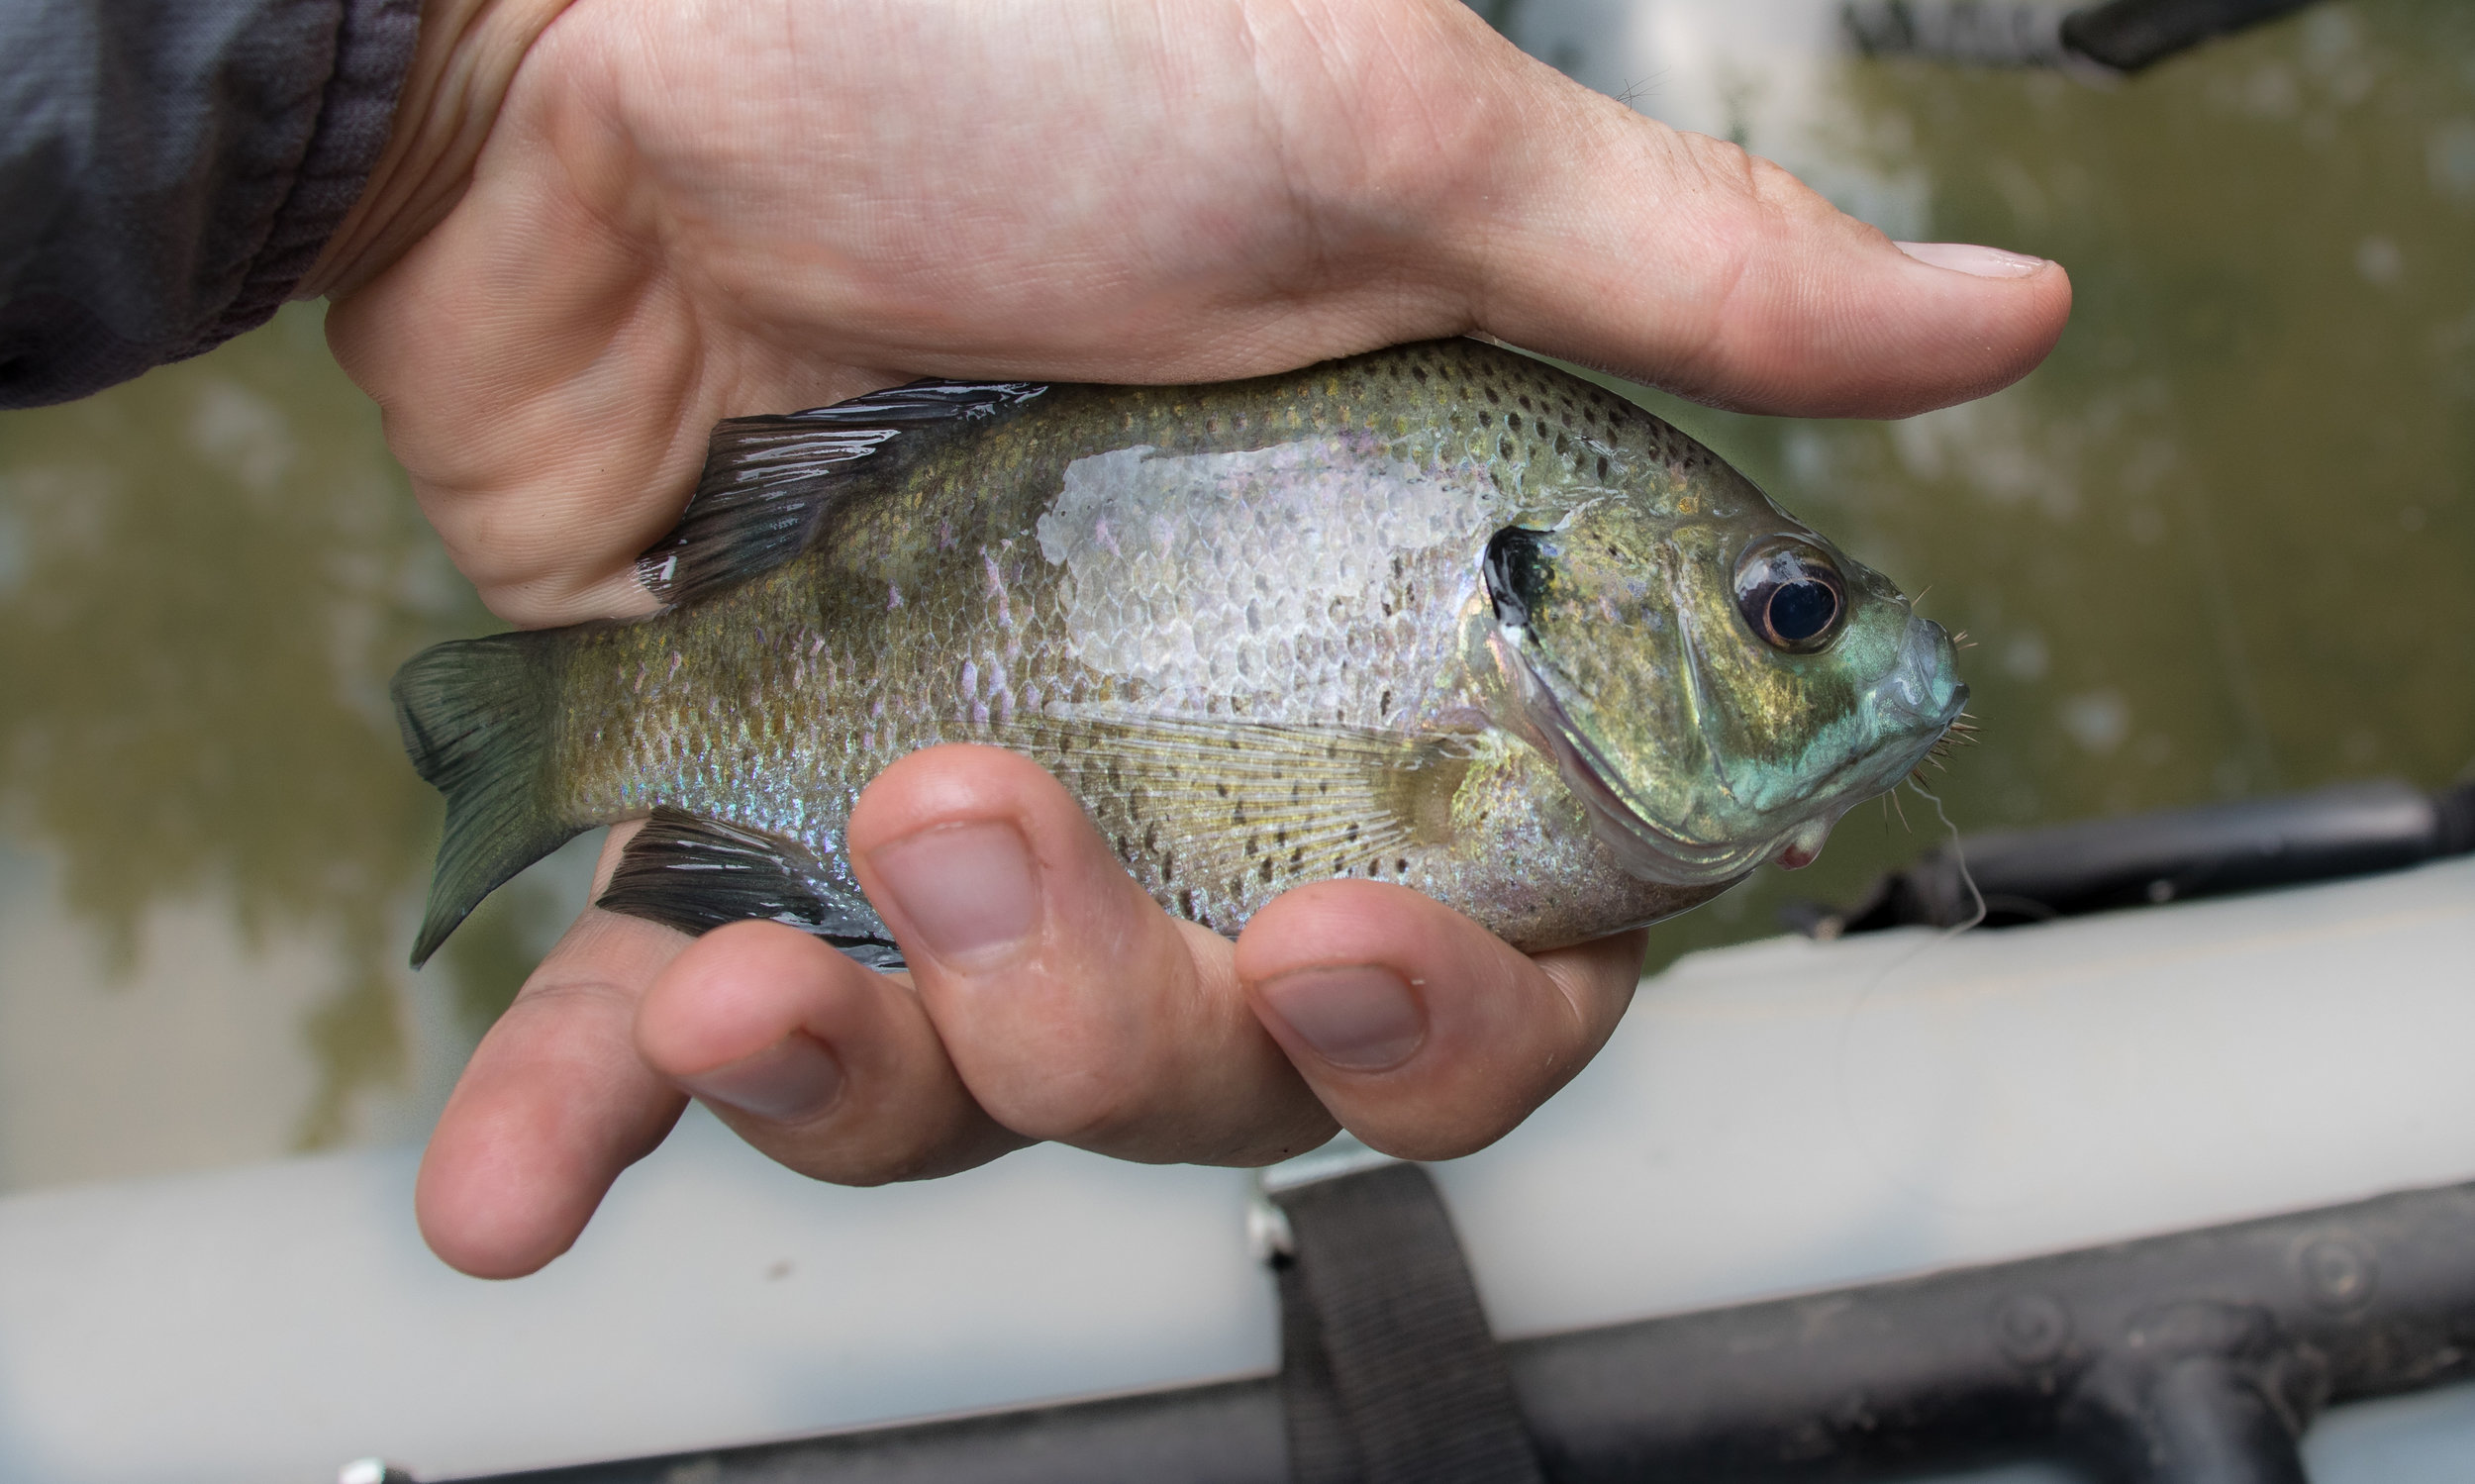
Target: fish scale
1247 625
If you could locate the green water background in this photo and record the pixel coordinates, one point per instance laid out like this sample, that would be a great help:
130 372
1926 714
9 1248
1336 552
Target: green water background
2219 546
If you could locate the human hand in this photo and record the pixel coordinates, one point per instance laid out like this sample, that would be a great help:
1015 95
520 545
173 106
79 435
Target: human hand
602 229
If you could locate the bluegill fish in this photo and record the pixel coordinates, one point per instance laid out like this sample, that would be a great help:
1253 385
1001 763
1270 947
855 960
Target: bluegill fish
1439 615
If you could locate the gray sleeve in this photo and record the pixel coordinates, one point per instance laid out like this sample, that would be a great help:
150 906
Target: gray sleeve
169 169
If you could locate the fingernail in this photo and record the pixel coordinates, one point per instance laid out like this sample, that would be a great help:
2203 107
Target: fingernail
1362 1018
790 1082
1968 257
967 891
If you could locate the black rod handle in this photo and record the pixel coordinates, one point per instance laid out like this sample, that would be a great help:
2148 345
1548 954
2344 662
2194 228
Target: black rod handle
2128 35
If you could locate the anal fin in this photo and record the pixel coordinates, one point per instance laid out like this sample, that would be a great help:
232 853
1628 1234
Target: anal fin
696 874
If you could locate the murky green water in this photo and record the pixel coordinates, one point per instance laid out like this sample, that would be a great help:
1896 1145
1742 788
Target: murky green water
210 844
2219 546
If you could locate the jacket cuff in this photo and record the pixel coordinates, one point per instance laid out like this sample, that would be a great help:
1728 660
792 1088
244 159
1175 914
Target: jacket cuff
373 53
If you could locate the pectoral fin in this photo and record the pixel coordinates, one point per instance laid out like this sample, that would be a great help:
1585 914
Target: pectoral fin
696 874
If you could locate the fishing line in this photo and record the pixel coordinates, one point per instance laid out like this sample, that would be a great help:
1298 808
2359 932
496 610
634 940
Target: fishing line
1960 858
1940 936
1856 1005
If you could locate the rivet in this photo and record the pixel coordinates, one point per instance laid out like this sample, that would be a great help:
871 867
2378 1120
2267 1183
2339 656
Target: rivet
2338 1272
2031 1329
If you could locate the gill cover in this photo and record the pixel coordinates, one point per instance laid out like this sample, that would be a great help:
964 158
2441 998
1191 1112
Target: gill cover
1588 640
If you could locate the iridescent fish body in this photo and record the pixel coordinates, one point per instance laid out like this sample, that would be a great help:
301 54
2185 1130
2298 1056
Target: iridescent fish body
1439 615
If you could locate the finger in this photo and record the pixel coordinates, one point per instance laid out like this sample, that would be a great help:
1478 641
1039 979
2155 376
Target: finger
1073 1008
1574 226
1426 1034
555 1102
826 1067
553 408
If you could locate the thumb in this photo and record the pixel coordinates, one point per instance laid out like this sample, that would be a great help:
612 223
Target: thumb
1590 232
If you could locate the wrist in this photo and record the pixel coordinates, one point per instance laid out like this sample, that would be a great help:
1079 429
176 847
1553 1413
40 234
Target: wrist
466 59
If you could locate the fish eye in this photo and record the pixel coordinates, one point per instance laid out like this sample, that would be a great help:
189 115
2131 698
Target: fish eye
1517 570
1791 593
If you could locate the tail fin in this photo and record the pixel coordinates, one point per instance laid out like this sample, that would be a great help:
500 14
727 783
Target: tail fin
477 720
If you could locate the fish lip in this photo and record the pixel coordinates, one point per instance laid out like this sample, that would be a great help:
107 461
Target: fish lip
1920 661
1923 664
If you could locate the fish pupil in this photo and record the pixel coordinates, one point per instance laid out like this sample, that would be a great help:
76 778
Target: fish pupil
1516 570
1790 593
1801 610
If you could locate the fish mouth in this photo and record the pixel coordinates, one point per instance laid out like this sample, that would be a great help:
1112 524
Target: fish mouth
1879 771
1907 710
1908 696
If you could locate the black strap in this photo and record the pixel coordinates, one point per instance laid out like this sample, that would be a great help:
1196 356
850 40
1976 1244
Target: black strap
1388 1373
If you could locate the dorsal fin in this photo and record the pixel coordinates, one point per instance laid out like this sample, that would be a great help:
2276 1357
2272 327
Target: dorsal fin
769 481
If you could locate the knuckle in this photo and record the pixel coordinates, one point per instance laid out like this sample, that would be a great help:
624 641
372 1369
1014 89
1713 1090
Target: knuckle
561 990
1088 1110
892 1150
